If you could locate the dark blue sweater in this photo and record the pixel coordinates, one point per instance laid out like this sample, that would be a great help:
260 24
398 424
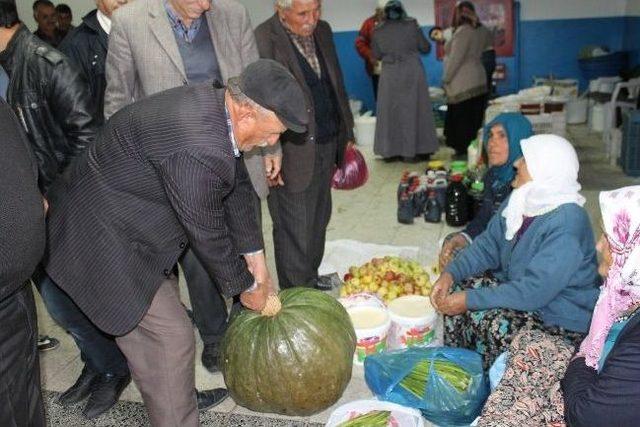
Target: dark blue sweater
610 398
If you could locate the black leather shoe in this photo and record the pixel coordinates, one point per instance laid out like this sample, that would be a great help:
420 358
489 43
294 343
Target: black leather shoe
105 393
207 399
327 282
81 389
210 357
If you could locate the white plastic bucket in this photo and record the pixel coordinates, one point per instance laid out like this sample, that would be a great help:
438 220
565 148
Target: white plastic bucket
372 328
413 322
597 117
577 111
365 130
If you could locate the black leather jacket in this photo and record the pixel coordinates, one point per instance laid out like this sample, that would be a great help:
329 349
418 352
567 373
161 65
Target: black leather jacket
52 101
86 46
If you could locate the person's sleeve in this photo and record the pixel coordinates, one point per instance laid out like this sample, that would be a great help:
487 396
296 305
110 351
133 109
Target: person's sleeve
73 108
194 191
484 214
423 44
481 255
459 50
611 397
241 213
119 69
548 272
363 42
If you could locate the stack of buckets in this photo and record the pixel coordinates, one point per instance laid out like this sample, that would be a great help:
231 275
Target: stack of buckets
408 321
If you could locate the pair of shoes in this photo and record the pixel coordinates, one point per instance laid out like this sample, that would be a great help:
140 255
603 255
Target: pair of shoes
105 392
46 343
207 399
410 160
210 357
80 389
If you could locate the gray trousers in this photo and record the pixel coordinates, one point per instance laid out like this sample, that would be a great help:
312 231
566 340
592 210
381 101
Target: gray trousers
300 222
160 352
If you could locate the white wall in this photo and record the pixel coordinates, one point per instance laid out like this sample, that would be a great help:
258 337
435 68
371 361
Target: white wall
633 7
347 15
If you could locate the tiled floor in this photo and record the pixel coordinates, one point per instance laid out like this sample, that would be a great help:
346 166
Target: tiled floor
367 214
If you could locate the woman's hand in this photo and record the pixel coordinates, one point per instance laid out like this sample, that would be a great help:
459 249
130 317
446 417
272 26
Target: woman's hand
454 304
450 248
441 289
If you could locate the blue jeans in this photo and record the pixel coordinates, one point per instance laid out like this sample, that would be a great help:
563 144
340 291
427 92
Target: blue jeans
97 349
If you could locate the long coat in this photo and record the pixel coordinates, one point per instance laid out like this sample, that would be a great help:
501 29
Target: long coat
298 150
405 125
144 59
162 175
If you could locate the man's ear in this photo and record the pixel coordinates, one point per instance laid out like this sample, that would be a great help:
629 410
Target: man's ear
246 111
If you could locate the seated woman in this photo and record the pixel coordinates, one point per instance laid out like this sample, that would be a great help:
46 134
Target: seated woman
502 138
541 249
602 384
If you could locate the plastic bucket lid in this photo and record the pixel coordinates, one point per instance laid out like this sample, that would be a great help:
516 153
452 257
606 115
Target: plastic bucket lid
412 310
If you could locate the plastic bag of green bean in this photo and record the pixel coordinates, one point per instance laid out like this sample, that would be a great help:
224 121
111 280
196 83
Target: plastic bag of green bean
448 385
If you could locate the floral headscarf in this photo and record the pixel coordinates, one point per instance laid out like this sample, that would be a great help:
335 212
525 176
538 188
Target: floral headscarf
621 289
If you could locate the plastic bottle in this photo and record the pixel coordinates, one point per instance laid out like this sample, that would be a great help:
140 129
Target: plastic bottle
405 208
457 208
432 213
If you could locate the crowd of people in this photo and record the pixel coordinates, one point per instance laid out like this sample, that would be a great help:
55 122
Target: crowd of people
149 136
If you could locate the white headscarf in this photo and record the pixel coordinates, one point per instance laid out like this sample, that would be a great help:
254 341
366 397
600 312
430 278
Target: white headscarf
553 165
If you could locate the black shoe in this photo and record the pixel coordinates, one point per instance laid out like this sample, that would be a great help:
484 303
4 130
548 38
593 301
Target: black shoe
207 399
105 393
81 389
210 357
46 343
325 283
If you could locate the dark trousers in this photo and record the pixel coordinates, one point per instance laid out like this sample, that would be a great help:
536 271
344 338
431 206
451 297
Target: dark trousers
375 79
20 396
208 305
97 349
489 64
462 122
300 222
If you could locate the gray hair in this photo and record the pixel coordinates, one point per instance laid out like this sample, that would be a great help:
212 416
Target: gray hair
233 86
287 4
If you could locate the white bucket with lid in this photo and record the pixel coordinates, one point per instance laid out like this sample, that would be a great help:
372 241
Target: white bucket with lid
372 328
413 322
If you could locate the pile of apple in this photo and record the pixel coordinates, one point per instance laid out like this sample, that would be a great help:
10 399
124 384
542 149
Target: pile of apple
388 277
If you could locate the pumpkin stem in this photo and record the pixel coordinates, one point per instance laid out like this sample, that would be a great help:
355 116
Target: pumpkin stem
272 307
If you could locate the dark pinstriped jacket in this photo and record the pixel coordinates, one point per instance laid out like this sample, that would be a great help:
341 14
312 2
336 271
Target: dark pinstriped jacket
161 175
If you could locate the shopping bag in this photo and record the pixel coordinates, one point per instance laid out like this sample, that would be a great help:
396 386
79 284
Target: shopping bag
353 173
448 385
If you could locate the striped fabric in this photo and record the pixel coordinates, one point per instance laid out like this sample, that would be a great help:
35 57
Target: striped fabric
161 175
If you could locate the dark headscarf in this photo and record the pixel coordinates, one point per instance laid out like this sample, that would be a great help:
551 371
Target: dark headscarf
394 11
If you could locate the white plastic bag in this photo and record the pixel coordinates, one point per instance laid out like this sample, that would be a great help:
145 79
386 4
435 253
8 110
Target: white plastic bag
401 416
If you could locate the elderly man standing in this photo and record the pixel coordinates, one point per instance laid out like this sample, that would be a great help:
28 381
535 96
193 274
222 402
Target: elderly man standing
301 208
156 45
167 172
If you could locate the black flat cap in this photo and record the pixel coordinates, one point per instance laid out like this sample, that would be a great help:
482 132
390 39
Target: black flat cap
273 87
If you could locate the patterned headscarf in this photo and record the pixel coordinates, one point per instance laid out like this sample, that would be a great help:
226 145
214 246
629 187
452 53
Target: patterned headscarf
621 289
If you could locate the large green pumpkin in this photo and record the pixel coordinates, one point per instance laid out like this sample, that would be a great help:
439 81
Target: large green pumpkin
297 362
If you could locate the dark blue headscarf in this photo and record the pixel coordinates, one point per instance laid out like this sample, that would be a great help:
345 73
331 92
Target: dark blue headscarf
517 127
394 11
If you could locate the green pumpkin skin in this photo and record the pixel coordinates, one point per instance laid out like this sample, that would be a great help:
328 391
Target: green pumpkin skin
296 363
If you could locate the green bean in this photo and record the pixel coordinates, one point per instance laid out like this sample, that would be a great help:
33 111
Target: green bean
370 419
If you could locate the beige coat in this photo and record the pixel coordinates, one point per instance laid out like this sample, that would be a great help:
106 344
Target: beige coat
464 76
144 59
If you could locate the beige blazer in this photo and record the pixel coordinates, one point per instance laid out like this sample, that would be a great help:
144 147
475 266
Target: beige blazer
144 59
